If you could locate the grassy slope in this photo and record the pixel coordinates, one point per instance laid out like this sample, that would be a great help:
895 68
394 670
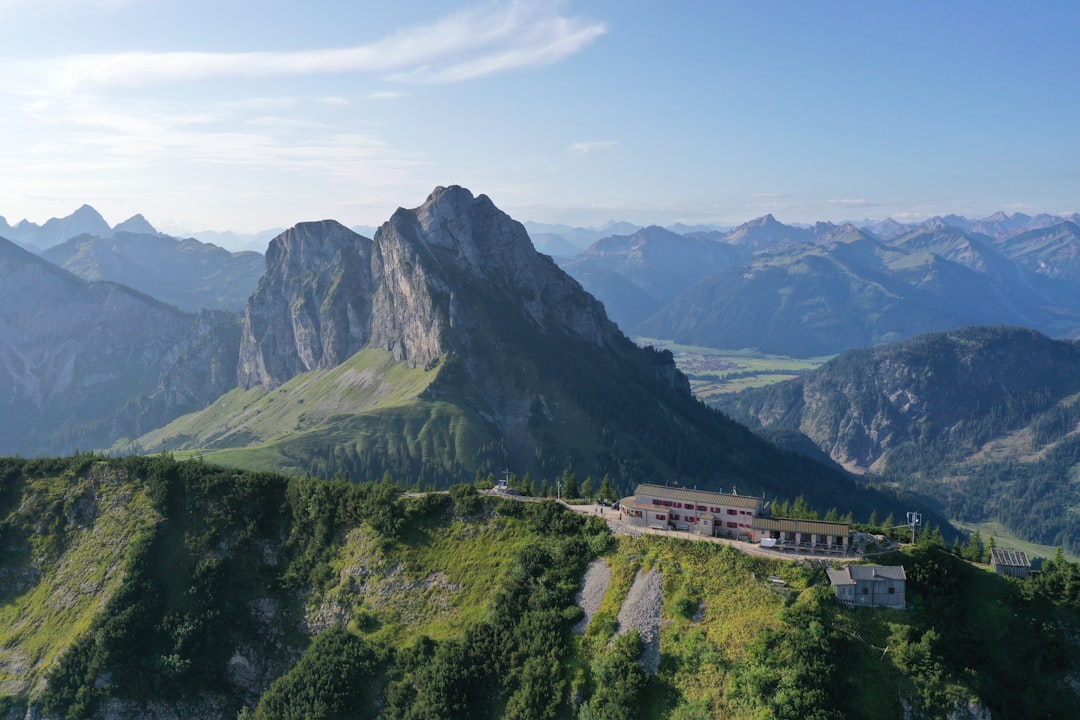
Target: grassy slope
78 530
1007 540
370 396
435 580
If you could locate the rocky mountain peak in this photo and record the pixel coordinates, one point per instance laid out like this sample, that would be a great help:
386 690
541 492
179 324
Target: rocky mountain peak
137 225
312 307
422 288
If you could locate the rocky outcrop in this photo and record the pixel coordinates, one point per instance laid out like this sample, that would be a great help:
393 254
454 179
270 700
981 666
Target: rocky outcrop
420 290
312 308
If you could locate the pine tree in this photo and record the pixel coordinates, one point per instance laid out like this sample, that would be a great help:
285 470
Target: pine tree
974 549
607 492
873 521
569 485
587 488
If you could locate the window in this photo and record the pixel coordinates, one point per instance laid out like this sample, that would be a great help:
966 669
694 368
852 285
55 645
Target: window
733 525
660 517
701 508
732 512
674 517
866 591
892 591
655 501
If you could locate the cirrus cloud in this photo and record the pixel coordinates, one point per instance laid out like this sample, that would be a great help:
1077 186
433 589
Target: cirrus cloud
584 148
476 42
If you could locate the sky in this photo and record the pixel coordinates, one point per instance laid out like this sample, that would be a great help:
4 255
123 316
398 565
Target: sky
244 116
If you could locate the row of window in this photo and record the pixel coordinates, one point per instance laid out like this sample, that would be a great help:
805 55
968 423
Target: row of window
699 508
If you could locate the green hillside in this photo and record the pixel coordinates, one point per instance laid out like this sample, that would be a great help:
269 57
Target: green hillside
159 588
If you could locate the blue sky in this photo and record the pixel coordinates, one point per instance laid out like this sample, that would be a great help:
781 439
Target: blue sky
243 115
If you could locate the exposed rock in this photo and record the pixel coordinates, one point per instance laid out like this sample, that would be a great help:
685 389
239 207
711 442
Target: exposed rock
327 292
641 611
593 586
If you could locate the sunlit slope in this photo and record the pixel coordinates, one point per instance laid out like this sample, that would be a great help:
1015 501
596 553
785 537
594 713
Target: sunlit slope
370 382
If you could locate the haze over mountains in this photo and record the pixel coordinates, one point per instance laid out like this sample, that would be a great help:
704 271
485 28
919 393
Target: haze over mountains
444 345
807 292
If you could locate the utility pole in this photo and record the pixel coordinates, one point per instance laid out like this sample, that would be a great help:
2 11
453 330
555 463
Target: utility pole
913 519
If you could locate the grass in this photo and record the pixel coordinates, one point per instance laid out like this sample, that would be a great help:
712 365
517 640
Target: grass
1003 538
716 600
714 371
79 564
370 381
435 581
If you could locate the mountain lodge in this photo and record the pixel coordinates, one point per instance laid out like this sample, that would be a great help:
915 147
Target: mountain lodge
717 514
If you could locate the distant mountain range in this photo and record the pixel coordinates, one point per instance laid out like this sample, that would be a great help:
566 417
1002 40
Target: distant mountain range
189 274
812 291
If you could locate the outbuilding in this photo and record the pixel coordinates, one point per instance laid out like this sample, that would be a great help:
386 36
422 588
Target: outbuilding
870 585
1014 563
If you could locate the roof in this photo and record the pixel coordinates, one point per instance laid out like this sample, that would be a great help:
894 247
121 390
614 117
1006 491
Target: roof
1009 558
816 527
850 574
839 576
702 497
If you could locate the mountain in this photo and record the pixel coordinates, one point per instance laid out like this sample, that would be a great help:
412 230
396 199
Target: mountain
766 234
84 363
235 242
849 290
886 229
84 221
579 237
980 421
187 273
1053 250
448 346
144 587
554 245
808 301
137 225
657 264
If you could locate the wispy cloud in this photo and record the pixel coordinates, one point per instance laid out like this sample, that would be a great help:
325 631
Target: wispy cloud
848 203
483 40
583 148
386 95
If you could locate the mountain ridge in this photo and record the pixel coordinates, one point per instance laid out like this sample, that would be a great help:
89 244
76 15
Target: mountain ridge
981 421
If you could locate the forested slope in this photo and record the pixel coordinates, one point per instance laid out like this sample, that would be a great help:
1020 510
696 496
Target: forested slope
146 587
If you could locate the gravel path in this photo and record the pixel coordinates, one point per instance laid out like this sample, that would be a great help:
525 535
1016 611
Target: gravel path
593 586
641 610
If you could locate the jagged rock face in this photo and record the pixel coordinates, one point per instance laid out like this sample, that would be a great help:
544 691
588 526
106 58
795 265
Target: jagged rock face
413 291
312 307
